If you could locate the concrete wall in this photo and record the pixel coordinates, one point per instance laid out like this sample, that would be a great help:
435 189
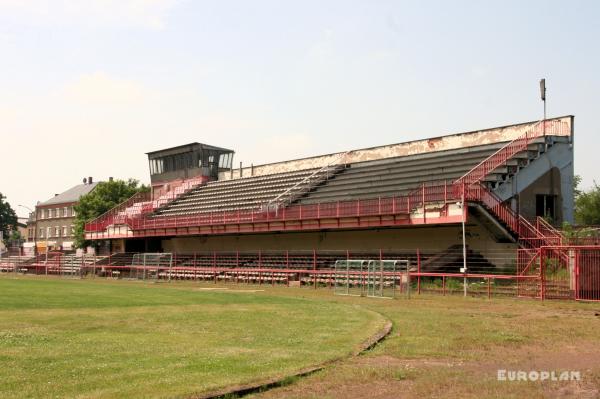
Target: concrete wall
427 239
548 184
461 140
551 174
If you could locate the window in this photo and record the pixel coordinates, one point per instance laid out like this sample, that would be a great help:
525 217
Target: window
64 231
40 214
46 213
545 206
65 211
41 233
56 231
73 214
72 230
48 232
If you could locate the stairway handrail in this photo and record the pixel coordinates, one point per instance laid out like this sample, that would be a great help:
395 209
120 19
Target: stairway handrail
140 195
516 222
553 230
510 149
275 200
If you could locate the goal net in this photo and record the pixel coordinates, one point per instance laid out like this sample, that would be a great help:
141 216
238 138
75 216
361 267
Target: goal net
151 266
373 278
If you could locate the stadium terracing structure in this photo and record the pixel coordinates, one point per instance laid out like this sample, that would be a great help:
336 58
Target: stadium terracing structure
510 186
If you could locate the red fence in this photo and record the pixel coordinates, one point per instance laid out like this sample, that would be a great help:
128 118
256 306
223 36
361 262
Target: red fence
587 273
559 272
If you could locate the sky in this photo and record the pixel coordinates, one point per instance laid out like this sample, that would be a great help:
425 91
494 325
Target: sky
87 87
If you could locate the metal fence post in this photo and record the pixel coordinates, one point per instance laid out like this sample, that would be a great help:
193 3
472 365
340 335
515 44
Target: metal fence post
542 272
315 268
418 271
408 279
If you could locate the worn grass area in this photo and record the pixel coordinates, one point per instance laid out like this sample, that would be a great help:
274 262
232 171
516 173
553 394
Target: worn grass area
72 338
451 347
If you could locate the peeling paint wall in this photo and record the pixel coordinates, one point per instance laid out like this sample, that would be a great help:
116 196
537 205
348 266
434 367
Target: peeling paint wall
454 141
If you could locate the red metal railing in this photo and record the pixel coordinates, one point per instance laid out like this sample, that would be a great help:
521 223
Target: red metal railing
140 204
548 230
112 216
419 199
404 204
539 129
356 208
528 234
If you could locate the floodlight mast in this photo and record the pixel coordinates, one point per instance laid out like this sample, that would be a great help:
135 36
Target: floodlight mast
543 96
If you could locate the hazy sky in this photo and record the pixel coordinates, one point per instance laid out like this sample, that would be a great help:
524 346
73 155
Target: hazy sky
88 86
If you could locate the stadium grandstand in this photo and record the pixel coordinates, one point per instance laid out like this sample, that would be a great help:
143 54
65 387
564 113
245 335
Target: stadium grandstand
398 196
484 204
480 210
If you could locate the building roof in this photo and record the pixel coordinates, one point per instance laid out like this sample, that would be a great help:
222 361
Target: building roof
188 147
71 195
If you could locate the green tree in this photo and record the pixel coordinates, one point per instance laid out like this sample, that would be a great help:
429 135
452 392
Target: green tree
587 206
8 218
576 188
105 196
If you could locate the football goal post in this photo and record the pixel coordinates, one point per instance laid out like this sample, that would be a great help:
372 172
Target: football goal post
372 278
151 266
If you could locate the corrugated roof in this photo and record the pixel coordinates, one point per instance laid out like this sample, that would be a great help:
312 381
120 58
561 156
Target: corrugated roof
71 195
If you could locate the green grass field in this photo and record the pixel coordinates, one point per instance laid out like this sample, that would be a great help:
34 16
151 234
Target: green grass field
97 338
78 338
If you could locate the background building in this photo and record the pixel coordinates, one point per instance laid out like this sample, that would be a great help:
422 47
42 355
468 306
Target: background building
54 218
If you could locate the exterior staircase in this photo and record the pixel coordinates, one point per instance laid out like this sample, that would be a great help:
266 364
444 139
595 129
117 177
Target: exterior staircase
500 168
495 171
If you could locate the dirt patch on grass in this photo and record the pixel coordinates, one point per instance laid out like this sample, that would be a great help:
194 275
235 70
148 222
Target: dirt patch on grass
384 376
582 355
351 379
382 389
385 361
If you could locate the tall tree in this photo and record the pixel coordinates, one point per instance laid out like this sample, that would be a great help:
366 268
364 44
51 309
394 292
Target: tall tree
587 206
105 196
8 218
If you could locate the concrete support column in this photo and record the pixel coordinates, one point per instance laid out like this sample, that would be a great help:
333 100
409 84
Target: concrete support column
567 193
